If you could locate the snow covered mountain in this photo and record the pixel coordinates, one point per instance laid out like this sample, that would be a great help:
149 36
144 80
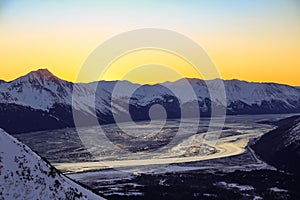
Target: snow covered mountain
281 147
39 90
41 101
24 175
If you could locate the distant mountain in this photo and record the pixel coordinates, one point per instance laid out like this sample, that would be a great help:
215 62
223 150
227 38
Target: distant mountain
281 146
24 175
41 101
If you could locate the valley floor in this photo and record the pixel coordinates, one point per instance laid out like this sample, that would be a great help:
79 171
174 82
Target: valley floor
229 169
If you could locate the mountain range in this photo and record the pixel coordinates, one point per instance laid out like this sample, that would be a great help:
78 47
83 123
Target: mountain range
41 101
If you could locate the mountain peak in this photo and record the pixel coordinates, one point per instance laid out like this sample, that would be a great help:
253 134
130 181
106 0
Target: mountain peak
43 73
40 74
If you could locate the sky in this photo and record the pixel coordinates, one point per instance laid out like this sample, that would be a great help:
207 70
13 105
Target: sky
257 40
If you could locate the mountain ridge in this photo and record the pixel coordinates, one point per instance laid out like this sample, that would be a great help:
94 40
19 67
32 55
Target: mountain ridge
46 72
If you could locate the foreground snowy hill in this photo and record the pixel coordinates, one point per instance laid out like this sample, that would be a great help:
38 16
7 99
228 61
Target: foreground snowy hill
41 101
24 175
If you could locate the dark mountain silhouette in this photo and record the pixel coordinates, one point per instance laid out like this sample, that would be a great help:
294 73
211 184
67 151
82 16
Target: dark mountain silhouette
281 146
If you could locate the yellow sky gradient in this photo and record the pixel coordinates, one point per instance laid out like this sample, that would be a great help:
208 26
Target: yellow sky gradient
150 66
261 45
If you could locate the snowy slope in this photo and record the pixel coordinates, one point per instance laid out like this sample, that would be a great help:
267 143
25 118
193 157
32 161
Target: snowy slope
256 93
248 92
24 175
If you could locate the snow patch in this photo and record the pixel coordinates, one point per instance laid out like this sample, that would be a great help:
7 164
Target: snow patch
235 186
276 189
